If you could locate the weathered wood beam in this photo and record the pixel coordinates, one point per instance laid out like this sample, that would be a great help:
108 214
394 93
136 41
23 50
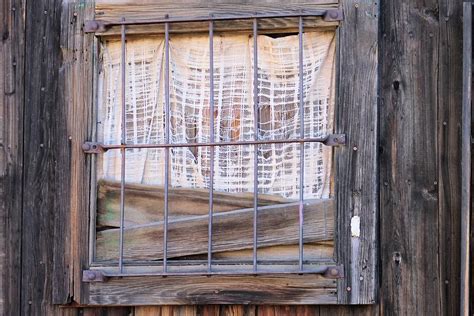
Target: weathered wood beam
278 289
356 165
265 26
196 9
12 109
144 204
233 230
113 11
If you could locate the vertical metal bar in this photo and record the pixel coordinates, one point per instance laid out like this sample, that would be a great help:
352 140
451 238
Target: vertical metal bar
466 157
167 150
255 155
211 128
122 173
301 106
93 183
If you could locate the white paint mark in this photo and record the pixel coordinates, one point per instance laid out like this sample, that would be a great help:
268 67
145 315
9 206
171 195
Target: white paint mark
355 226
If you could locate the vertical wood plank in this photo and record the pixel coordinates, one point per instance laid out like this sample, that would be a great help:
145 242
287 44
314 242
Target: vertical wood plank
12 64
232 310
288 310
266 310
106 311
208 310
185 310
365 310
409 159
188 310
414 88
45 135
76 95
147 311
466 159
449 154
356 163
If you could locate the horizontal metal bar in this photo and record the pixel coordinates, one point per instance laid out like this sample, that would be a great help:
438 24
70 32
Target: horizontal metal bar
330 272
201 262
329 15
330 140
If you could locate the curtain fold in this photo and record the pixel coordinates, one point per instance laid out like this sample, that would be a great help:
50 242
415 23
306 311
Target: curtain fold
278 95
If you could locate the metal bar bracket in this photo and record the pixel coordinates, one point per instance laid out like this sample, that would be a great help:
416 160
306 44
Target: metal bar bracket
333 15
334 272
93 148
93 26
90 276
335 140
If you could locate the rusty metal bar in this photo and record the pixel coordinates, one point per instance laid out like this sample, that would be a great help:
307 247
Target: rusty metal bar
211 129
167 150
328 15
244 262
255 153
301 106
329 140
123 149
327 271
466 159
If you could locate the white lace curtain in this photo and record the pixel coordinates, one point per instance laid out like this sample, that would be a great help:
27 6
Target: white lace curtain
278 85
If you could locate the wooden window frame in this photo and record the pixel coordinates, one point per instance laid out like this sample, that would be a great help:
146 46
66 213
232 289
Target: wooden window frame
356 227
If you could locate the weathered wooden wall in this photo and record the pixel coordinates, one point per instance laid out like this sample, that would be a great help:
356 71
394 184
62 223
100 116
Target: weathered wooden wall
420 97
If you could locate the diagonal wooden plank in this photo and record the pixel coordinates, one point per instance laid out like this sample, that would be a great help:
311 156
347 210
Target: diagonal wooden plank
145 203
232 231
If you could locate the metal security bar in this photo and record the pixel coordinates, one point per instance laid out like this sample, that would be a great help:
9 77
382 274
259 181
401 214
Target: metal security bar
328 15
327 270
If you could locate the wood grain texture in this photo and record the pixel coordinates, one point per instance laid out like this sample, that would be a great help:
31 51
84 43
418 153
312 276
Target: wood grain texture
362 310
147 311
232 230
105 311
449 155
356 163
289 310
312 252
418 83
208 310
265 310
113 12
265 26
45 137
295 289
144 204
12 61
409 158
167 310
76 94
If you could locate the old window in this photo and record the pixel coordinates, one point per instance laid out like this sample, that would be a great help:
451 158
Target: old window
234 169
219 163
